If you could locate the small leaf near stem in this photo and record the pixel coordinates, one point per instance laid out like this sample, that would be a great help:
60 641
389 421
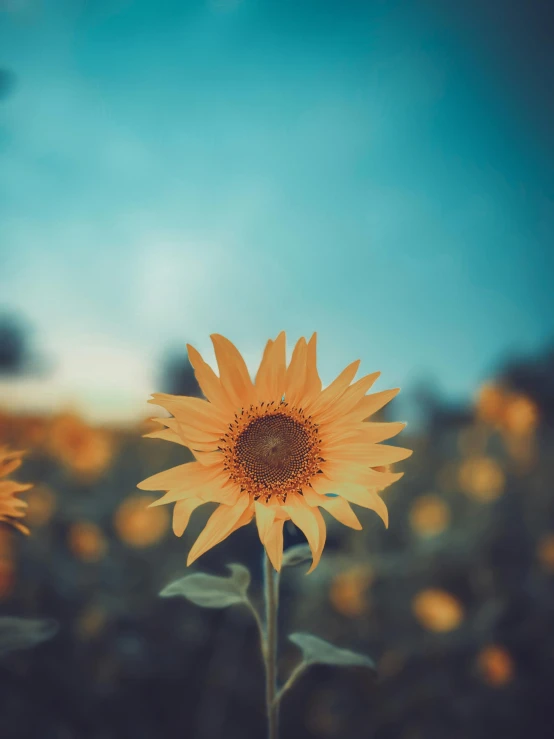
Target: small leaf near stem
210 591
318 651
297 555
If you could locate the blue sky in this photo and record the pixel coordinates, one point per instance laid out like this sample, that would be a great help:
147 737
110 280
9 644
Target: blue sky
372 171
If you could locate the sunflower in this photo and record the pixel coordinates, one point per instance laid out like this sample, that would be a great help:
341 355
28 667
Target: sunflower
84 450
276 449
11 508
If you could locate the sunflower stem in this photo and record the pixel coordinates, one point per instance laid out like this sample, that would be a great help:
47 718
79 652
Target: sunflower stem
259 624
271 595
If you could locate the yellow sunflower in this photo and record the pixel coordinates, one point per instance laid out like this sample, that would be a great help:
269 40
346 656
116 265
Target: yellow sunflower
11 508
275 449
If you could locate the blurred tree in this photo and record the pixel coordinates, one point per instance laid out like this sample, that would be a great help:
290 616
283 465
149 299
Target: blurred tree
17 355
178 376
535 378
14 346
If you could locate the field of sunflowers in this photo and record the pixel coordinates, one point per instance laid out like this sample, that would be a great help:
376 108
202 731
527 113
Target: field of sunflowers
454 603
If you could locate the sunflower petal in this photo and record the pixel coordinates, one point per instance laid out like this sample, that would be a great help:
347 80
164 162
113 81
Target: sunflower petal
168 435
208 380
212 491
229 495
304 517
363 496
270 380
8 487
9 464
376 432
295 376
265 516
183 476
233 373
369 431
194 412
208 459
223 521
351 472
333 391
195 435
340 509
349 399
193 438
370 404
373 455
182 513
312 387
322 538
274 543
12 522
165 435
312 498
174 496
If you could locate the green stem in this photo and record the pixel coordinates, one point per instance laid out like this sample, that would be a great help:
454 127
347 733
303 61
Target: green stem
259 624
295 674
271 593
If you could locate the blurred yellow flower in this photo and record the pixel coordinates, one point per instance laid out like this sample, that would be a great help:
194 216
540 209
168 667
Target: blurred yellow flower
84 450
7 577
348 592
511 412
490 404
495 665
521 416
429 515
136 525
11 508
33 431
481 478
437 610
91 621
42 504
275 449
545 552
522 449
87 542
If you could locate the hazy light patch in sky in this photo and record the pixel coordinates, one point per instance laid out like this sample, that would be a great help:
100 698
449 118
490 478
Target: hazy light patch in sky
173 171
105 383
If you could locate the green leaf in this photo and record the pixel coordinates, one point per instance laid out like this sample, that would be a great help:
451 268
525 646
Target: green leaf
297 555
210 591
318 651
22 633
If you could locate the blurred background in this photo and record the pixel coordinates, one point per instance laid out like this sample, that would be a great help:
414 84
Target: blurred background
378 171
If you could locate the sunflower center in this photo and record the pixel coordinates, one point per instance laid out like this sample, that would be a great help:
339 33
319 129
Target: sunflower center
272 450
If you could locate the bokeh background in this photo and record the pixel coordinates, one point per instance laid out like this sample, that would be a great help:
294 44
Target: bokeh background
379 171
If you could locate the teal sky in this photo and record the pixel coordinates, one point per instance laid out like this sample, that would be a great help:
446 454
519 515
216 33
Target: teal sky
381 172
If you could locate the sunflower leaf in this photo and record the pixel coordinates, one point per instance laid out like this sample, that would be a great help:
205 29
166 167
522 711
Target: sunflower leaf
318 651
211 591
296 555
22 633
